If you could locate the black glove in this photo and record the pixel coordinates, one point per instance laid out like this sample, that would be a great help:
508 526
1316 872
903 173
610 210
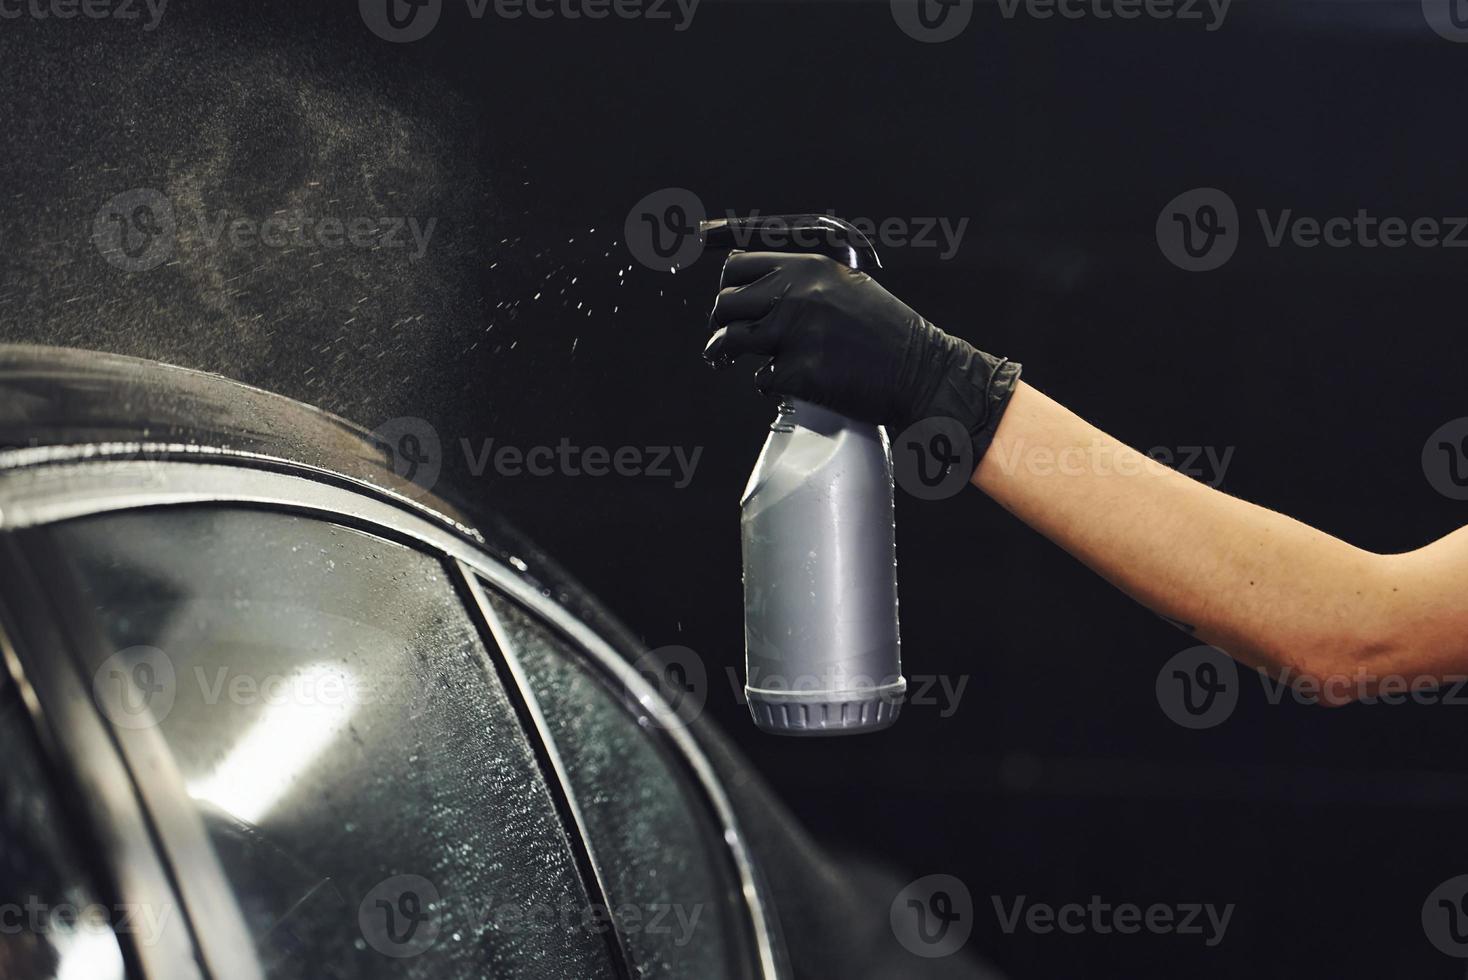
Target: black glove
839 339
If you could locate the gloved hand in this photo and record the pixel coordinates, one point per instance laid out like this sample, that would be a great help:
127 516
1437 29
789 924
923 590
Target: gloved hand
837 338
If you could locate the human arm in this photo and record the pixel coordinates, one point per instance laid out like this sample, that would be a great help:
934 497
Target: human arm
1272 591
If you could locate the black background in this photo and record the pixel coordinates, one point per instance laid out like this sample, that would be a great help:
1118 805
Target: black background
1058 777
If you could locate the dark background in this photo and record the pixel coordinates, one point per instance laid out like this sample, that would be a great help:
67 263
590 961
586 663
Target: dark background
1058 777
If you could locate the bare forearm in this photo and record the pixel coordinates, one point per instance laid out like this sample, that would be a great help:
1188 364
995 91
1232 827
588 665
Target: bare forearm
1270 590
1273 592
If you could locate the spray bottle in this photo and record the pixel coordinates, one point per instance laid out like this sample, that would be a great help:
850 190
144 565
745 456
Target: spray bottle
822 652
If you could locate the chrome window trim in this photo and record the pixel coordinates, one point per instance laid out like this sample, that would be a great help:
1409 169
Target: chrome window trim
510 652
149 453
498 648
32 496
64 715
100 883
222 939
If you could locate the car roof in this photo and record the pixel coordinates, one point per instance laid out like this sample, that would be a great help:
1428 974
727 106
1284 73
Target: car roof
65 404
62 404
59 403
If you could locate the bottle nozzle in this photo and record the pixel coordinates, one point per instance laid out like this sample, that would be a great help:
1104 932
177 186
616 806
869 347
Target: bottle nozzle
822 234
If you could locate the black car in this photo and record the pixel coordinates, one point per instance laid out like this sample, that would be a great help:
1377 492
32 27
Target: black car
272 710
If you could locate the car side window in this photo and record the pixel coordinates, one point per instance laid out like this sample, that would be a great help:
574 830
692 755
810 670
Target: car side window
666 868
361 773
